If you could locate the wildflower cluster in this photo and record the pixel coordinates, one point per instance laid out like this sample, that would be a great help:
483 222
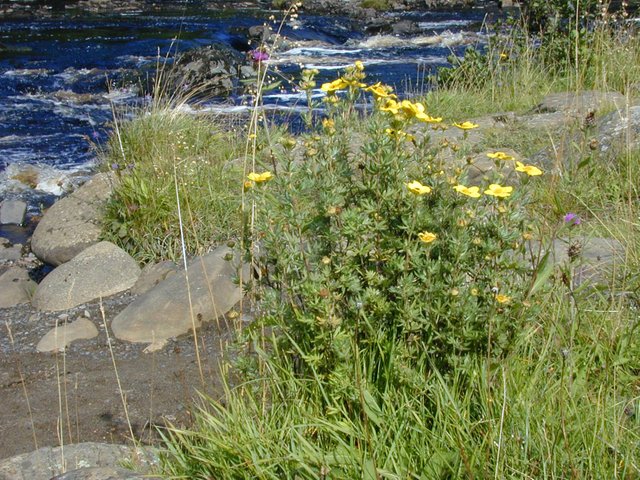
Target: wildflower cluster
385 247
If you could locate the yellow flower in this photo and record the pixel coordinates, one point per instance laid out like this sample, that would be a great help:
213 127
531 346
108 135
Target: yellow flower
248 184
359 65
500 156
427 237
329 126
390 106
380 91
502 298
355 84
496 190
260 177
399 134
412 108
428 118
473 192
418 188
417 110
503 56
466 125
474 292
530 170
338 84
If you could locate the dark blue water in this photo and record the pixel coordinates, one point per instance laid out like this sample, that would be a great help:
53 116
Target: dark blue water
62 76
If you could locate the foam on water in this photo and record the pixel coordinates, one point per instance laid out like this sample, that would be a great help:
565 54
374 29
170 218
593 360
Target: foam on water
323 51
443 24
26 72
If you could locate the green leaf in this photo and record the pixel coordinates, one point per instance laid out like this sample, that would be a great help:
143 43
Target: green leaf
371 408
542 274
369 470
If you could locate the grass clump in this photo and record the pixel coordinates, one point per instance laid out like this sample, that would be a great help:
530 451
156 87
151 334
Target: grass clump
171 164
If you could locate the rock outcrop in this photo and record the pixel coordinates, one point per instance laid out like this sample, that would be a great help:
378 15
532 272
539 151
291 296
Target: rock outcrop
47 462
620 130
207 71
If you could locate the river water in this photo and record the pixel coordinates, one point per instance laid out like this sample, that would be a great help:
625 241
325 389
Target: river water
62 75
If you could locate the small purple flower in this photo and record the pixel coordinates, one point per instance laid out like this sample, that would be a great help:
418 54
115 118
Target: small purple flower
259 56
572 219
115 166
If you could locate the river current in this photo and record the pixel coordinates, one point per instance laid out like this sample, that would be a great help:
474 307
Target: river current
61 76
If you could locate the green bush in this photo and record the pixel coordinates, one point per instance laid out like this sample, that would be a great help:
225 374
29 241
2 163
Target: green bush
372 246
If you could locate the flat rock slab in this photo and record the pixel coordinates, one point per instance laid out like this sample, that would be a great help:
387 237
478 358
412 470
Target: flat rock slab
619 130
580 103
102 473
101 270
165 311
57 339
12 212
73 223
45 463
15 287
592 260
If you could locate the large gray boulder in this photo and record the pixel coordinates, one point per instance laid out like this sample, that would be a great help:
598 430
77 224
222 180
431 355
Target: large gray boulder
15 287
73 223
165 311
47 462
101 270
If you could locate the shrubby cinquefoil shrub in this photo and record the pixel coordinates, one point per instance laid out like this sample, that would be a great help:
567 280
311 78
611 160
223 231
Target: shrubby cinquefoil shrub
375 252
